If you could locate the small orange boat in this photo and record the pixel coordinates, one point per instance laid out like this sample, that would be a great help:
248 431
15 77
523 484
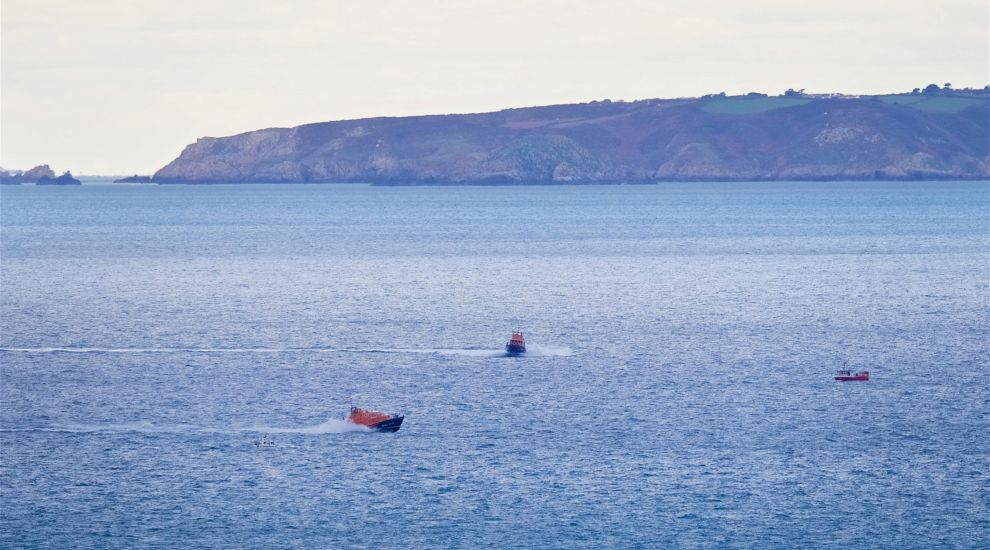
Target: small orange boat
848 376
516 345
377 421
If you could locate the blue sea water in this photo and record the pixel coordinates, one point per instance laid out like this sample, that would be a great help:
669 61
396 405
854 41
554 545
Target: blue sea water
678 392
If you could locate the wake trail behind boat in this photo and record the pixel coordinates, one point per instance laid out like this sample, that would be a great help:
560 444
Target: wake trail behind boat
331 426
533 351
536 350
165 350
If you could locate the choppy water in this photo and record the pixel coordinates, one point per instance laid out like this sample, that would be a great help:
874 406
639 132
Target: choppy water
679 393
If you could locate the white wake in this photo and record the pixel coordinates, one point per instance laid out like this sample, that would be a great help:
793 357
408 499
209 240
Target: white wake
331 426
532 350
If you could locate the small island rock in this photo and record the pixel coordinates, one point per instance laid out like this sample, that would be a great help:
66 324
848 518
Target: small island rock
134 179
38 172
64 179
39 175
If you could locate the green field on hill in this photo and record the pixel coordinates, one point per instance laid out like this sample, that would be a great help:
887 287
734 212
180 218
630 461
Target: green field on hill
933 104
750 105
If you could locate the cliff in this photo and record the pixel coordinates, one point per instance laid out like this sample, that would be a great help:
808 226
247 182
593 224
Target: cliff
755 137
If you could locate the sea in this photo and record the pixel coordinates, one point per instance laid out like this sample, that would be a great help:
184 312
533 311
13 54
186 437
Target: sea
677 391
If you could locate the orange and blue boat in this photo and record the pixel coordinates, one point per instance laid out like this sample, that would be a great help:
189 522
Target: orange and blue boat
375 420
516 345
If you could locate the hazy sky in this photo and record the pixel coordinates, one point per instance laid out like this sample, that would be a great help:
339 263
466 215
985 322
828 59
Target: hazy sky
113 87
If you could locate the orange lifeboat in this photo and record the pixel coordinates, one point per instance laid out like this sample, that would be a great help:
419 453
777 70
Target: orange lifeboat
375 420
516 345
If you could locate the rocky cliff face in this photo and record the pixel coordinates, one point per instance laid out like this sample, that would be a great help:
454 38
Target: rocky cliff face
38 172
713 138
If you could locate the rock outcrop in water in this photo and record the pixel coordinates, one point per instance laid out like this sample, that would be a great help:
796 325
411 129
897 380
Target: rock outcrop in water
134 179
64 179
39 175
791 137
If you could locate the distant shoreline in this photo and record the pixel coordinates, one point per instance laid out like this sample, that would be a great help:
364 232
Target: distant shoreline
103 182
571 183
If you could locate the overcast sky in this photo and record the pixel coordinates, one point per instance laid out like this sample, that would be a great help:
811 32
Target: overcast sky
121 86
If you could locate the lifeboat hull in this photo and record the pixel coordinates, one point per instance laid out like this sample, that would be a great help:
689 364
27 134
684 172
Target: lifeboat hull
515 349
374 420
854 378
388 426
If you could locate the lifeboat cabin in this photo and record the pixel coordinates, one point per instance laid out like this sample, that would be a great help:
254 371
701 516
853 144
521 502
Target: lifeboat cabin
848 376
377 421
516 345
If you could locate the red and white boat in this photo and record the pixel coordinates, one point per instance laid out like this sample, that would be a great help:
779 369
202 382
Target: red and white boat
848 376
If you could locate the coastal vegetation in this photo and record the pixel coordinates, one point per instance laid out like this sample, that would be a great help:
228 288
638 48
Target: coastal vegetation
744 105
